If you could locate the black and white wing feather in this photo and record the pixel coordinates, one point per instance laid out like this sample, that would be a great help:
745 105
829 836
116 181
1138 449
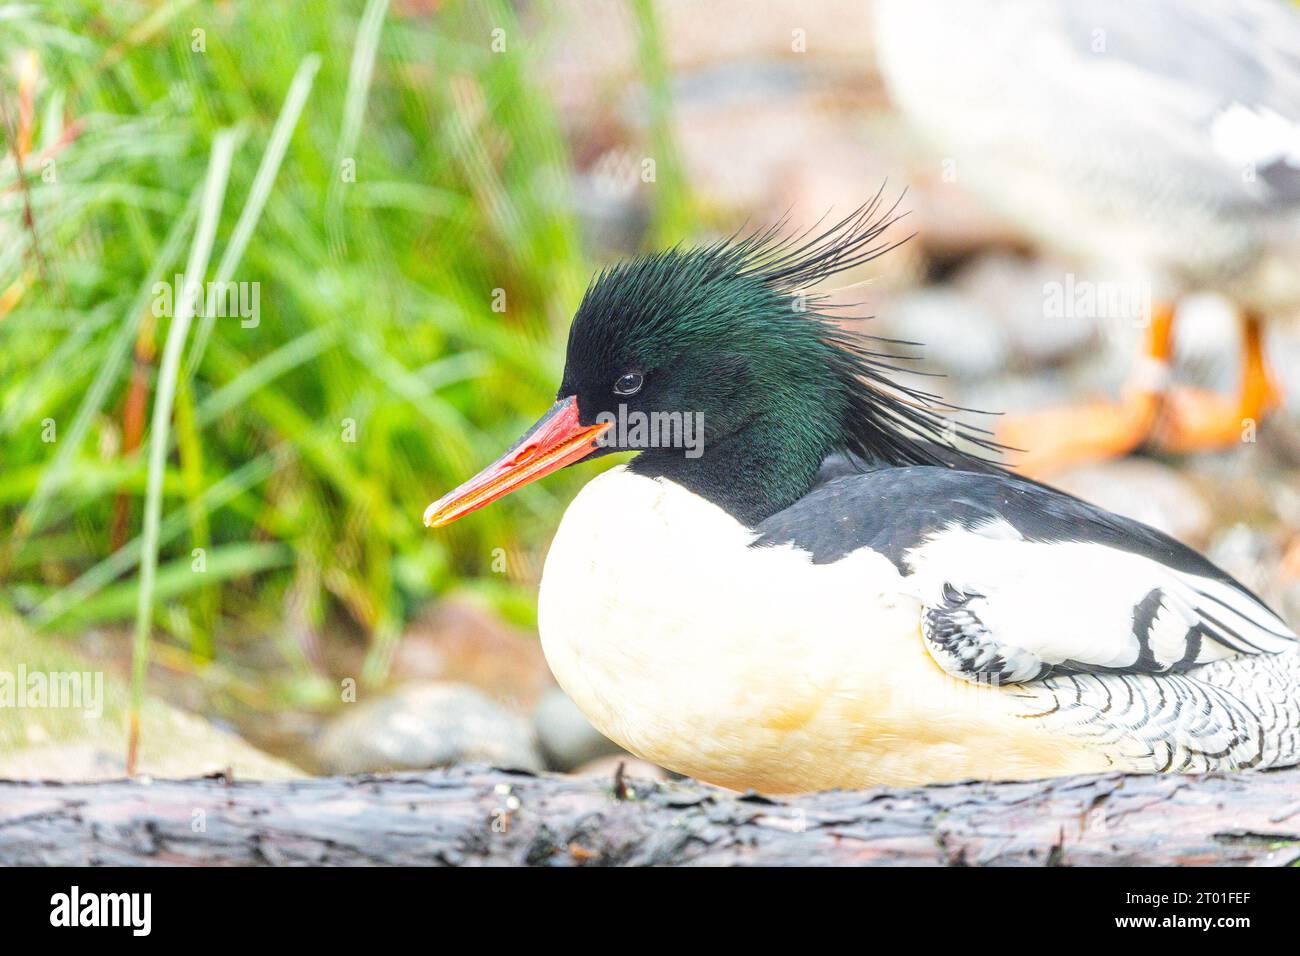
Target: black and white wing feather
1018 581
1001 608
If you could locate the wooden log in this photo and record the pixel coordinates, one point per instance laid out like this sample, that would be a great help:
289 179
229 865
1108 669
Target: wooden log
466 816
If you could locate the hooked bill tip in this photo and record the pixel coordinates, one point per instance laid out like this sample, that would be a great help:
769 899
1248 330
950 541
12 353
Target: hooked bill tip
431 514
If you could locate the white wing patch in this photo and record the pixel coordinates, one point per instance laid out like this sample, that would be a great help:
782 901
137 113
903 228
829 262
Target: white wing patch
999 607
1167 635
1255 136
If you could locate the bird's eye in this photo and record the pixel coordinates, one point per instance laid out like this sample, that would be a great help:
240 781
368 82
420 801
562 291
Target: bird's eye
629 384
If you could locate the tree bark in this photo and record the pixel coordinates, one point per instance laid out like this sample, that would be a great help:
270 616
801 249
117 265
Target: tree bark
467 816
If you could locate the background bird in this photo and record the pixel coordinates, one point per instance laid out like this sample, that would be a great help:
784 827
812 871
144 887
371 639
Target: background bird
1160 140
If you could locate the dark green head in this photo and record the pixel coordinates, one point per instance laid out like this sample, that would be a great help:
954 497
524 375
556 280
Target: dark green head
727 376
694 333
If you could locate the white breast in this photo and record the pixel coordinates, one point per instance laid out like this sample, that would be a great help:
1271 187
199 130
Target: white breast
753 667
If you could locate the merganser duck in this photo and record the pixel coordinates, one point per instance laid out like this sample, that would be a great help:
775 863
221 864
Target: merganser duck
831 592
1162 137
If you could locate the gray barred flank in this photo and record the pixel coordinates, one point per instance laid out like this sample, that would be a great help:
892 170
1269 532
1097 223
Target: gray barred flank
1238 714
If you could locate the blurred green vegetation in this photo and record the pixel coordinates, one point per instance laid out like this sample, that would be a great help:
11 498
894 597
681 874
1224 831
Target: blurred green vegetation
426 172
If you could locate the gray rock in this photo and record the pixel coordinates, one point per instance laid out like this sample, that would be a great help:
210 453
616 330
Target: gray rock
957 336
423 725
68 743
1014 292
1144 490
567 738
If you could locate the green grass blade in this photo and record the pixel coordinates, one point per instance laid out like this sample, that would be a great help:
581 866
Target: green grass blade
285 124
214 191
354 111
